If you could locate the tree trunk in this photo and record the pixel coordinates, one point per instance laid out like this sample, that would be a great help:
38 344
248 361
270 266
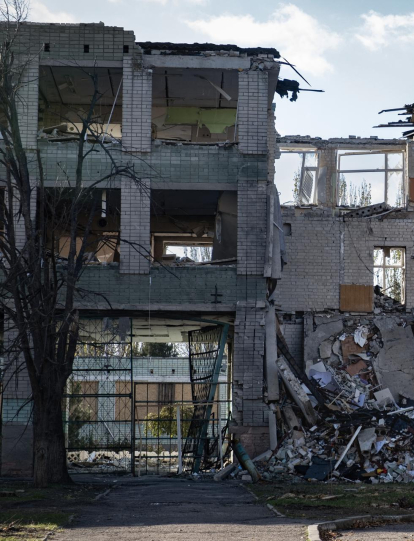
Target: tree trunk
49 438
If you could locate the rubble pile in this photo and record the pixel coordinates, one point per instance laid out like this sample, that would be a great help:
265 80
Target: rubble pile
364 432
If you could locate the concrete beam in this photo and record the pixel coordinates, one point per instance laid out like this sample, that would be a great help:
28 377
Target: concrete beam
81 63
200 62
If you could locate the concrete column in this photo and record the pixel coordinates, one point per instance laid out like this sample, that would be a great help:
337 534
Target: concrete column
135 227
136 105
252 112
410 171
327 180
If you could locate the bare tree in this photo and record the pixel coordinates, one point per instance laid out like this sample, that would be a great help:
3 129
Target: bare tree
39 288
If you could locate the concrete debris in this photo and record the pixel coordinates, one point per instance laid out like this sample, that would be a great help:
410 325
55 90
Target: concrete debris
365 430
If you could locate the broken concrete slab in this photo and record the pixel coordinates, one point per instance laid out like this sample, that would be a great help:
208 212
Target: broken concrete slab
225 472
325 349
394 364
326 327
295 389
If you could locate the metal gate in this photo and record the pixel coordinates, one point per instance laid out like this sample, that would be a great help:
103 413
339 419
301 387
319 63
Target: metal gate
182 407
98 401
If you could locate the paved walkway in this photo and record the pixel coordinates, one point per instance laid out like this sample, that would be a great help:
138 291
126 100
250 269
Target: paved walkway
392 532
151 509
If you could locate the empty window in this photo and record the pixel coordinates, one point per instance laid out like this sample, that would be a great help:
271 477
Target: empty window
86 48
295 177
126 48
368 178
188 252
389 272
46 47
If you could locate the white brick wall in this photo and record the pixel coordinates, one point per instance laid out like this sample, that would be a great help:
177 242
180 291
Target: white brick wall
251 227
135 227
136 106
252 112
27 102
324 252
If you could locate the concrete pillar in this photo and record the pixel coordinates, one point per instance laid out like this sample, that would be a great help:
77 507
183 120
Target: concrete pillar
327 191
136 105
410 171
252 112
135 227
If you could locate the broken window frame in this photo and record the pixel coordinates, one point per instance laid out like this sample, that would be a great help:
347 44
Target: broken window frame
384 266
386 170
303 170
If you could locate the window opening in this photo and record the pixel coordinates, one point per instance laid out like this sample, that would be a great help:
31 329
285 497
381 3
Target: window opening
368 178
86 48
389 273
296 174
194 105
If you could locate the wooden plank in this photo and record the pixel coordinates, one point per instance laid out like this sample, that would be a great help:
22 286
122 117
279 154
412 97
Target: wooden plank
356 298
411 189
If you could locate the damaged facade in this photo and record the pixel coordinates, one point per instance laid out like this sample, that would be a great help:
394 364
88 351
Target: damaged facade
197 123
291 284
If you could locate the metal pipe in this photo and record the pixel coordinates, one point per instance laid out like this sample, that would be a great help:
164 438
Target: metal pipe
245 460
179 443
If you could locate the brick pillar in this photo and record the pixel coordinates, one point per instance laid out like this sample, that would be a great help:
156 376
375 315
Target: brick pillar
136 105
28 104
135 227
252 112
249 410
251 227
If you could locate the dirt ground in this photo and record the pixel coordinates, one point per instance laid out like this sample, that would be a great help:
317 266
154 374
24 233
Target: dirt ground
152 508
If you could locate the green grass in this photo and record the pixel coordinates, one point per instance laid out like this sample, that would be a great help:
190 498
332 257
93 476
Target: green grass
305 499
30 525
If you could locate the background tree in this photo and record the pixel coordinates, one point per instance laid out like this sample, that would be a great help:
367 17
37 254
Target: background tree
38 288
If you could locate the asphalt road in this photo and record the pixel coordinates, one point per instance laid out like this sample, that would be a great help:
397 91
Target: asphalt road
154 509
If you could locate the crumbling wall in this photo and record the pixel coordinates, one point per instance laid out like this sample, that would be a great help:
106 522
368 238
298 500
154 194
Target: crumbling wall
293 331
360 238
310 280
325 251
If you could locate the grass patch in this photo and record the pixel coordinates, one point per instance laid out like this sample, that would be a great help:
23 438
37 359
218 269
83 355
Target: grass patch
30 526
339 500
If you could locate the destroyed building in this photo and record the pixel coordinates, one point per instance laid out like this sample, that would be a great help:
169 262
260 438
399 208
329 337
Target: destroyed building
293 280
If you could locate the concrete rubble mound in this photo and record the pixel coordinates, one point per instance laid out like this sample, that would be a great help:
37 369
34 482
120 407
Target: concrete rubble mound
365 423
